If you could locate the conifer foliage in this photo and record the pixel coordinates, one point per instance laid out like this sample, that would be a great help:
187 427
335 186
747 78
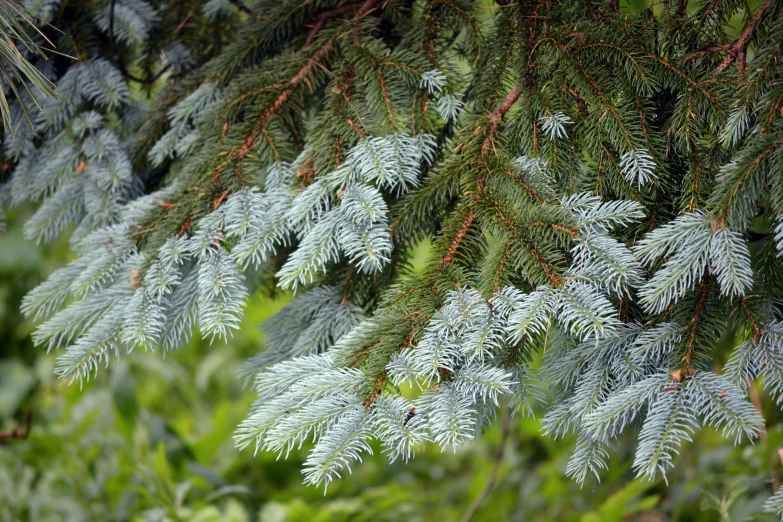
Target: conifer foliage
602 188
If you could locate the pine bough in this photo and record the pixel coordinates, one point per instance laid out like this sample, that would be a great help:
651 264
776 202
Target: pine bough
576 211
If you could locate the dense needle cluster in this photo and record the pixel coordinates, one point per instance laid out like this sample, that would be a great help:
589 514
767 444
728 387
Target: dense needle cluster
601 187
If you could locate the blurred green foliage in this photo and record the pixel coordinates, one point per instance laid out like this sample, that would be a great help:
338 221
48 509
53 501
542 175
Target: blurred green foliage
150 439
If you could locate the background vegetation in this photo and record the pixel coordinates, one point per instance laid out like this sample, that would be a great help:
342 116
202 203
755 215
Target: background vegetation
151 439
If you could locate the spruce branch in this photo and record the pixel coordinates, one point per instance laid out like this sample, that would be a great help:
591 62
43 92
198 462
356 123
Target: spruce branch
366 7
467 221
695 323
497 115
325 16
590 198
250 142
118 59
738 50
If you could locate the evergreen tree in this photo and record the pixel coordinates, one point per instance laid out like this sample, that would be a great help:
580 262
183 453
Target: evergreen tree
603 188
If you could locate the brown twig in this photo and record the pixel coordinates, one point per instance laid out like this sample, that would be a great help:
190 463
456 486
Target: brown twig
250 140
682 9
757 331
18 432
503 261
366 7
323 17
555 278
739 49
498 114
705 291
463 231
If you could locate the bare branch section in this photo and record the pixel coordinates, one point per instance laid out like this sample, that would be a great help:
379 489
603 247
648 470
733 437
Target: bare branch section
22 431
739 49
497 115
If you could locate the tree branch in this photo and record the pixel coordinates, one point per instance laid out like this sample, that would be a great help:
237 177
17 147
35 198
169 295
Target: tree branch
250 141
694 325
755 237
366 7
242 7
461 233
498 114
118 58
18 432
739 49
323 17
682 9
